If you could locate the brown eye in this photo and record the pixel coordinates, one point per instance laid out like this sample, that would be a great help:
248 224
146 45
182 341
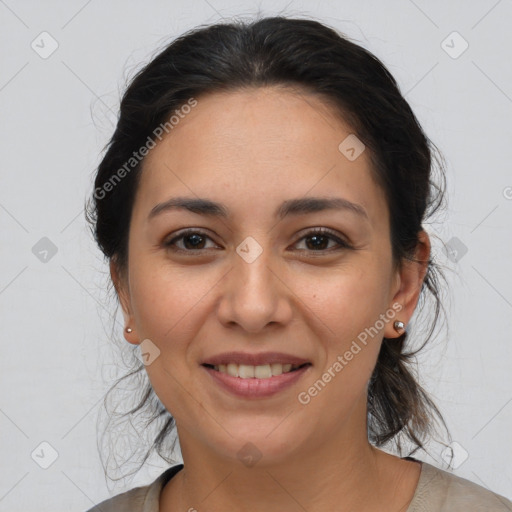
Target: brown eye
192 240
318 240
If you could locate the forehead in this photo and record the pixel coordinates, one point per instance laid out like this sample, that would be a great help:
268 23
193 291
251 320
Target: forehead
257 147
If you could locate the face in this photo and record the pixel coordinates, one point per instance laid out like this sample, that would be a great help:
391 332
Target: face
255 281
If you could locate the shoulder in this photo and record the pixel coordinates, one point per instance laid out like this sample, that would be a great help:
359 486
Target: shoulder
139 499
129 501
441 491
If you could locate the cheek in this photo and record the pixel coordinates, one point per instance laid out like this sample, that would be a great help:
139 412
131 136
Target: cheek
166 301
349 301
168 306
349 306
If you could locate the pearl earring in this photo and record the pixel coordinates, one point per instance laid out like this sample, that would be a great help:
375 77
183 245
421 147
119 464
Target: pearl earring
399 326
128 329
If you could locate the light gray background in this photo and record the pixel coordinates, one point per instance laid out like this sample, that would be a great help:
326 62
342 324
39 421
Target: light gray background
58 112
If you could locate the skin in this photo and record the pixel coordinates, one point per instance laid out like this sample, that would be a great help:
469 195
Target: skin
252 150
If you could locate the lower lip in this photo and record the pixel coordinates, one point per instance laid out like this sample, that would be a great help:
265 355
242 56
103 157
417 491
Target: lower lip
256 388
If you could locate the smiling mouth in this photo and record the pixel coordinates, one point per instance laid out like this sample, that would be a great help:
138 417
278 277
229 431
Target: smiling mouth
265 371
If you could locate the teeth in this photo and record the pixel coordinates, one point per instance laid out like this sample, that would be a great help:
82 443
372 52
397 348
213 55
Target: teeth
245 371
232 369
262 372
276 368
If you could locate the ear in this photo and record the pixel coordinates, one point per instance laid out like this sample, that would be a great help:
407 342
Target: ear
122 288
409 280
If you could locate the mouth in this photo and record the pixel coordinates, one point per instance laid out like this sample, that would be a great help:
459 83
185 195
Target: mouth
265 371
256 382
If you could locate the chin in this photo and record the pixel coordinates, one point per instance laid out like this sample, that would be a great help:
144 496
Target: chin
263 444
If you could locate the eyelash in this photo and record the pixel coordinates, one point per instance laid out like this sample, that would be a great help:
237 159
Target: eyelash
170 244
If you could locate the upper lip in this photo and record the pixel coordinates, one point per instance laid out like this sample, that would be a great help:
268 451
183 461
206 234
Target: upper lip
254 359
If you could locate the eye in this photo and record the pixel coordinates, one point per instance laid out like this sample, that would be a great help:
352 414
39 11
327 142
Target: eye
320 238
193 240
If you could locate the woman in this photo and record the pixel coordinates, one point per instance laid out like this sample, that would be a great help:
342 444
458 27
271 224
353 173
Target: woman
261 204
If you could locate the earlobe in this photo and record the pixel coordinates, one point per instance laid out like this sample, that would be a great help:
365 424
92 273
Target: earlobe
130 336
122 291
412 273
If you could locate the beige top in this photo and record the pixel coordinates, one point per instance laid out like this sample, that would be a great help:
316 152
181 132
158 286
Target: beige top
437 491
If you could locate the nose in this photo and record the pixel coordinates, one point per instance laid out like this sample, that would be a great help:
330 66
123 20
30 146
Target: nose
255 295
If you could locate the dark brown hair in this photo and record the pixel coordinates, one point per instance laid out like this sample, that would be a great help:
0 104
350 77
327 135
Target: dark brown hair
303 53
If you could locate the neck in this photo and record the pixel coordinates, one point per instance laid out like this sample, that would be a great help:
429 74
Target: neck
344 474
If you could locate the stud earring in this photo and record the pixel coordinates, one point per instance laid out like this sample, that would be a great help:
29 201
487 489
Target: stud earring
128 329
399 326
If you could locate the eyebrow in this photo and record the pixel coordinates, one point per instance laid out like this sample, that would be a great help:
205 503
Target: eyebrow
298 206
